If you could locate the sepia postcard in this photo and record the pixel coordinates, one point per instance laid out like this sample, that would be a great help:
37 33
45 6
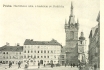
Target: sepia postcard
50 35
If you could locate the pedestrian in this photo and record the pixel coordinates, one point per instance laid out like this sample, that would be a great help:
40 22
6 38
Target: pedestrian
65 64
26 65
71 65
80 67
9 64
52 65
95 67
38 65
44 65
19 63
77 65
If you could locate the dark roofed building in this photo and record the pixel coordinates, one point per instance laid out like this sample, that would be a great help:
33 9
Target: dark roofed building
12 54
12 48
31 42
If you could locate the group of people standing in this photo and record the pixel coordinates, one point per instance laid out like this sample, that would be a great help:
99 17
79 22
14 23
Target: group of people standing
19 64
72 65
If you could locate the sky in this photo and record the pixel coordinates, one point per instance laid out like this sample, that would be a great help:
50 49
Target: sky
44 24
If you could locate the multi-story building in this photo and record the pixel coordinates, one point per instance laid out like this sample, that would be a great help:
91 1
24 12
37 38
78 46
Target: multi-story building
42 52
94 44
12 54
71 30
81 48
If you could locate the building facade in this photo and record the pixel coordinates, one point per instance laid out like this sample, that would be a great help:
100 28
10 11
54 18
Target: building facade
81 49
12 54
94 45
43 52
33 52
71 30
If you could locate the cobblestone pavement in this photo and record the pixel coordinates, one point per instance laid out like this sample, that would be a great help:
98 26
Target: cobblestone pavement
55 68
14 67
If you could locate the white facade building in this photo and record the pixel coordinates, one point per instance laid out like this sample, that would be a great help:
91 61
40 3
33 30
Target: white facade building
42 52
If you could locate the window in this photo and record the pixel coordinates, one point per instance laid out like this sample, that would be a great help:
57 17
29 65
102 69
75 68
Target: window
31 60
44 56
31 51
38 56
51 51
48 51
41 51
38 51
31 56
4 53
24 51
54 56
7 52
34 51
41 56
20 52
34 56
28 56
24 56
48 56
6 62
28 51
44 51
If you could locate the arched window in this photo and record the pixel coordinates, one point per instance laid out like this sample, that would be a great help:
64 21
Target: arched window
4 53
71 35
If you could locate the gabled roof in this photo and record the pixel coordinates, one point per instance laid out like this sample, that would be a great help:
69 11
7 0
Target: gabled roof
31 42
12 48
93 31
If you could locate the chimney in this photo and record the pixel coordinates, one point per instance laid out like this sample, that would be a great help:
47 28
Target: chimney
18 44
7 44
31 39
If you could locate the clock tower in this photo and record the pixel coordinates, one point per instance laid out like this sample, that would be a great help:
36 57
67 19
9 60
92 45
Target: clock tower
71 30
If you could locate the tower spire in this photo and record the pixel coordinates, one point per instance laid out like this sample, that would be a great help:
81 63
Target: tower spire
71 8
77 20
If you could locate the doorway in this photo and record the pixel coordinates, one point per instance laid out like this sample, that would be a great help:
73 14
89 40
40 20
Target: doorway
41 61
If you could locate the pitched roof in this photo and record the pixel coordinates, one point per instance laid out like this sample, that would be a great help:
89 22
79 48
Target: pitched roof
31 42
12 48
93 31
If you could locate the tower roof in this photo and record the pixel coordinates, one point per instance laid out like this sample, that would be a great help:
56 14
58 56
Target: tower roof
71 17
71 9
82 36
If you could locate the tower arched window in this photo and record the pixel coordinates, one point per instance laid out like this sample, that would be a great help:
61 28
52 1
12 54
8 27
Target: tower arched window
81 42
71 35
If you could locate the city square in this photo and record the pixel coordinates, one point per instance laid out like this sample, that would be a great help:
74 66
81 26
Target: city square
51 38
